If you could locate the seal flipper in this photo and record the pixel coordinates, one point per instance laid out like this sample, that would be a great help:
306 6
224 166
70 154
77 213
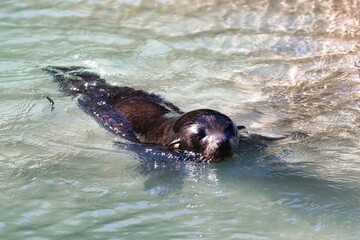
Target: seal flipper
96 97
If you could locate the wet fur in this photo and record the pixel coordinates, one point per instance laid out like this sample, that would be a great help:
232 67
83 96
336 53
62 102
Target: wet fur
143 117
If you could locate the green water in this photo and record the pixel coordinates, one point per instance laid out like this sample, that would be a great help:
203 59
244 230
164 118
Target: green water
274 66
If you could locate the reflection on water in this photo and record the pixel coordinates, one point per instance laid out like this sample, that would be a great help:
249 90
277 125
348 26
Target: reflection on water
274 66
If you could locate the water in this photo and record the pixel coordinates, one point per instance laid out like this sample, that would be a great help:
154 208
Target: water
274 66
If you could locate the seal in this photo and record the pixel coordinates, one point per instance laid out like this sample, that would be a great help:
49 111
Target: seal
146 118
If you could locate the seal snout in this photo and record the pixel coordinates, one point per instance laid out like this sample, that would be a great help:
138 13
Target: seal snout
222 150
224 145
218 147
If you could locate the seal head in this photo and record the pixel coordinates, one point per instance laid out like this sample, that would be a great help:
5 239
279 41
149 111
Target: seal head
205 131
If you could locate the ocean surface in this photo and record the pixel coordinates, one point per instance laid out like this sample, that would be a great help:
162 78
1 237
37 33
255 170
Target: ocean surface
274 66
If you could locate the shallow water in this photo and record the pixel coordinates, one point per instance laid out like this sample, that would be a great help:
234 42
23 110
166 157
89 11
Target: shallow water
274 66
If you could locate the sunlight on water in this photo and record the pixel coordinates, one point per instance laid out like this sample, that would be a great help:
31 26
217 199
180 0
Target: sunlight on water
274 66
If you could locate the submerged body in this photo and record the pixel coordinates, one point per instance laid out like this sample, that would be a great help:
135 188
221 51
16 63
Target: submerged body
146 118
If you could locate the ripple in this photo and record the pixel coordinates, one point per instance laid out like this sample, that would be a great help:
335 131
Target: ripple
115 226
274 66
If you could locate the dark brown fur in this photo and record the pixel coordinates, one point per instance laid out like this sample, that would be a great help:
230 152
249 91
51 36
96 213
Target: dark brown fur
146 118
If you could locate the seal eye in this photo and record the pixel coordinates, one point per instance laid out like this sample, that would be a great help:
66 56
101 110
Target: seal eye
200 134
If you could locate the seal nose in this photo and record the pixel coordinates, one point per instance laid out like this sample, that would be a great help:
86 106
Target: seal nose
224 149
224 145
